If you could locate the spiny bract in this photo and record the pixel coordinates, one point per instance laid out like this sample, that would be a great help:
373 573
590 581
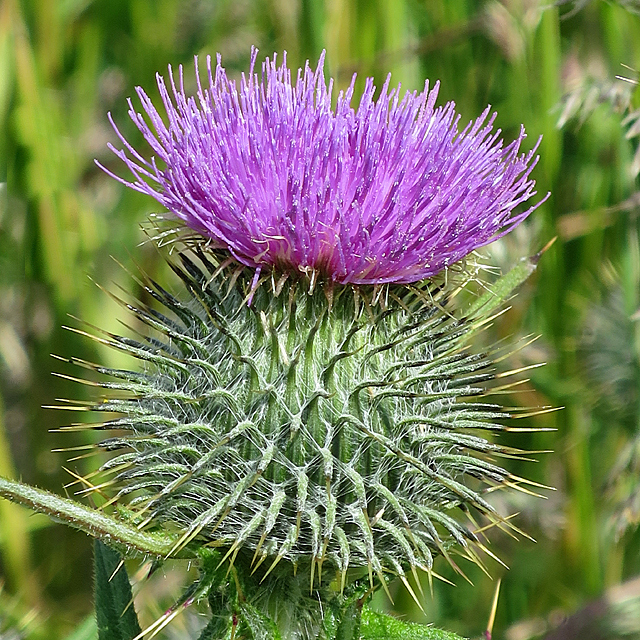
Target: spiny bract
332 429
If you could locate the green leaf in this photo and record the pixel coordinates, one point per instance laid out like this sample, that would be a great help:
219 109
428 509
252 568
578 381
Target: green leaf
217 629
115 614
506 285
219 625
259 625
350 621
378 626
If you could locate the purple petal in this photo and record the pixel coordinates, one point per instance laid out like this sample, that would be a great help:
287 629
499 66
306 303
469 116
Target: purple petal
389 192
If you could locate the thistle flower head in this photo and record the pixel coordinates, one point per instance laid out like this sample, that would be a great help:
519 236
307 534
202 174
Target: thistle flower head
308 431
390 191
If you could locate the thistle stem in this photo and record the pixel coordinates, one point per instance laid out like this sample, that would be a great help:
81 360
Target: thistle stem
126 538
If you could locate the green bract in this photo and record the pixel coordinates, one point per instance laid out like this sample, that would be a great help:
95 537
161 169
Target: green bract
338 430
322 440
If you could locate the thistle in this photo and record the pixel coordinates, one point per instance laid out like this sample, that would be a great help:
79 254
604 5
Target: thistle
309 414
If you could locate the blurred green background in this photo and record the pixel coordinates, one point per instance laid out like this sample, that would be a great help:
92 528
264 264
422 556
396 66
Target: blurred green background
552 67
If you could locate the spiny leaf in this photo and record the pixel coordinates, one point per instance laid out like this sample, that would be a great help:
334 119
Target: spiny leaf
350 621
259 626
378 626
115 614
506 285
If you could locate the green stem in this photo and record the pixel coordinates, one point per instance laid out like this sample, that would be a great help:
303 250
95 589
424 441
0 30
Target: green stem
127 539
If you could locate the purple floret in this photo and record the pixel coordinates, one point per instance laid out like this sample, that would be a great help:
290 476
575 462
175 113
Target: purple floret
388 192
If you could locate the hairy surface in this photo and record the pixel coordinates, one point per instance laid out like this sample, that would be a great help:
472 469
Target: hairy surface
340 429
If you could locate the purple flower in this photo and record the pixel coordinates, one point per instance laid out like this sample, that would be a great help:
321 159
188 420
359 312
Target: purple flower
389 192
